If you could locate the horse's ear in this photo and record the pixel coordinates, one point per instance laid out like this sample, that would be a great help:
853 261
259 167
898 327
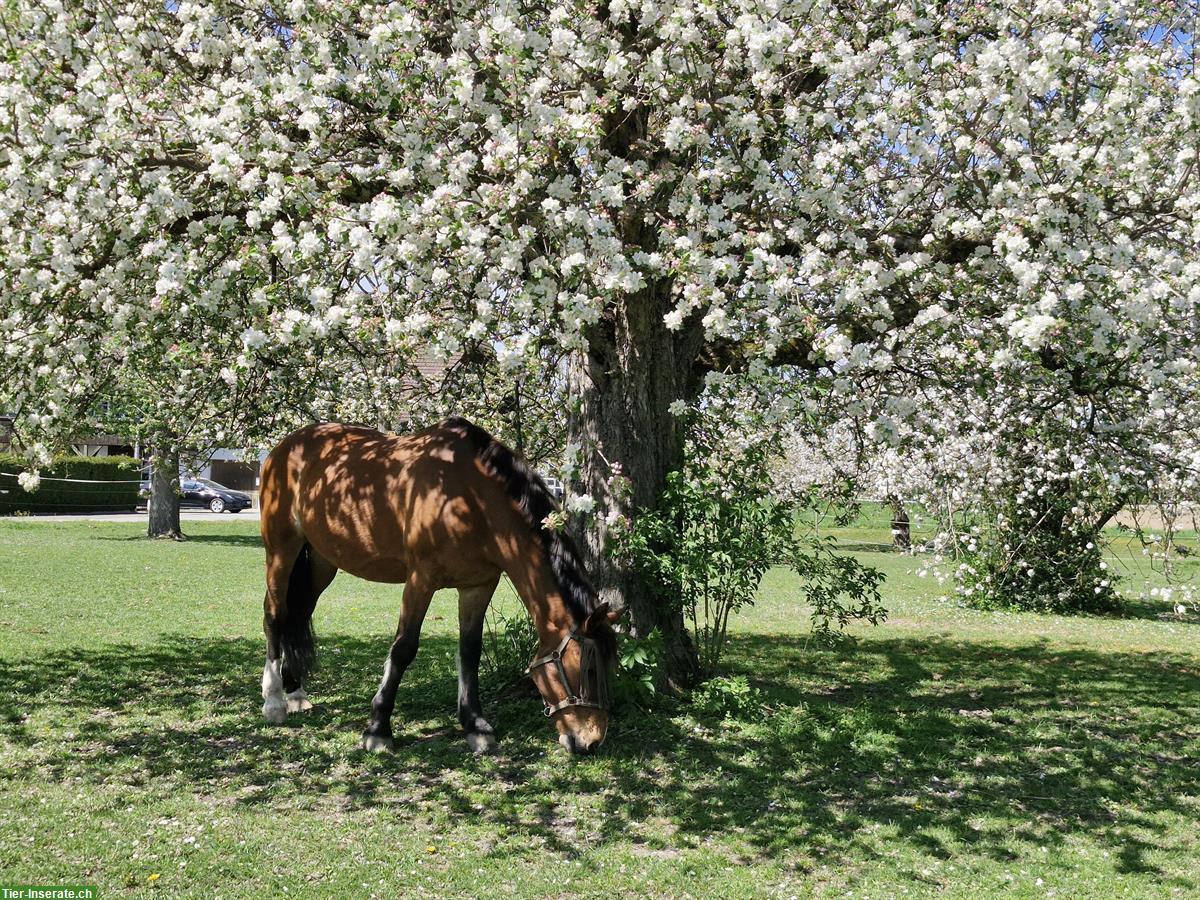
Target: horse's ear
617 615
595 617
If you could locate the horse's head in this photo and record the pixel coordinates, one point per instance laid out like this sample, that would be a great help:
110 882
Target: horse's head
573 680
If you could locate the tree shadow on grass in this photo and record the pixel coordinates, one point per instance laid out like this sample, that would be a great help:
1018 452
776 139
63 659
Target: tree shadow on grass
948 746
955 744
232 540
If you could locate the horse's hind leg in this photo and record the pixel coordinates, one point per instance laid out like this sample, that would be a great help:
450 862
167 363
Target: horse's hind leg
418 591
321 573
472 607
280 561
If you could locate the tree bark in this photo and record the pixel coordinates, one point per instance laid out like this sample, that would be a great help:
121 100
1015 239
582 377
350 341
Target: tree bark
163 507
901 533
622 388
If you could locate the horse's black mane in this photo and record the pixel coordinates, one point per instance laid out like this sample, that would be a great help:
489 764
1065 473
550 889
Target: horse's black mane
535 502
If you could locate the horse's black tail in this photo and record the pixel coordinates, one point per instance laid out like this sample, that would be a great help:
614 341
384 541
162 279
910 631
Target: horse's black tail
296 638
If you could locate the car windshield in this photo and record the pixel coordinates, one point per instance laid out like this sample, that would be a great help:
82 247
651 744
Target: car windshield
208 482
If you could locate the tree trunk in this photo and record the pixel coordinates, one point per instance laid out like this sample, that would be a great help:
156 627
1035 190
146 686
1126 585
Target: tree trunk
621 388
163 507
901 534
621 391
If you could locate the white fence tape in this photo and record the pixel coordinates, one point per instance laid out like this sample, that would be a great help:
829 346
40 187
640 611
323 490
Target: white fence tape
78 480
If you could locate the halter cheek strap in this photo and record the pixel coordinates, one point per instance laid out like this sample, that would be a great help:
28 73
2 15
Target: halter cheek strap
572 699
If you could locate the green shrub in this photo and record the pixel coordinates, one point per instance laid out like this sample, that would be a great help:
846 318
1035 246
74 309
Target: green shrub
710 540
511 642
708 550
71 484
639 664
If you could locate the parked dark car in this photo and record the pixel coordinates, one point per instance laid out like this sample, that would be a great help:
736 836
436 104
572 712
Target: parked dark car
217 497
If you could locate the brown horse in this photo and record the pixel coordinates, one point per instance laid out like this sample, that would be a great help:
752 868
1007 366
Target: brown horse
446 507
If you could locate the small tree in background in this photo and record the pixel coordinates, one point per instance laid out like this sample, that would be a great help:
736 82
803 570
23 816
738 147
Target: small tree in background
183 401
901 527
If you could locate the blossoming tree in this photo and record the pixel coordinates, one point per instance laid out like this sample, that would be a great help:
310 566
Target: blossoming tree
673 193
180 403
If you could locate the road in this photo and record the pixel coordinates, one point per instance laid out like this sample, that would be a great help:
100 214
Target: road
187 515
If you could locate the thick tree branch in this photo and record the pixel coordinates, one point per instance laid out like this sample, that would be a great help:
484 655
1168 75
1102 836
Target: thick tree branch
732 355
173 161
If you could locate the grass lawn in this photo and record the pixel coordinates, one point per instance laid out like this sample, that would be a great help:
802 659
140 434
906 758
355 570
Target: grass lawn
870 528
946 752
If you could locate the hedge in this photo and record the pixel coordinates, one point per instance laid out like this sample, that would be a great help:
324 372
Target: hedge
81 494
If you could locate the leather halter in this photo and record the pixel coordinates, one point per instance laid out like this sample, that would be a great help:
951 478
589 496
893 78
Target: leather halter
572 698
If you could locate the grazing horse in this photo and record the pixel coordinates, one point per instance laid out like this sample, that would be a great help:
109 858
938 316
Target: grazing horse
446 507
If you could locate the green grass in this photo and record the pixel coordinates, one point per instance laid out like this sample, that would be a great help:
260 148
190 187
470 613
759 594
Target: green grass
871 528
948 752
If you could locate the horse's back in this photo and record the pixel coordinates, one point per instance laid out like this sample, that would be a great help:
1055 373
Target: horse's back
377 504
284 470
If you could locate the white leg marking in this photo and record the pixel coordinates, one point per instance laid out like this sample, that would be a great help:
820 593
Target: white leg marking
481 743
377 744
275 708
297 701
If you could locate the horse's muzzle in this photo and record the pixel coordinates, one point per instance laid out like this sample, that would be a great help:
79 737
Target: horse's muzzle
577 746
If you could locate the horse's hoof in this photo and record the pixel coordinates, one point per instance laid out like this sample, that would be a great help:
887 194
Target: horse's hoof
275 710
297 701
481 743
378 743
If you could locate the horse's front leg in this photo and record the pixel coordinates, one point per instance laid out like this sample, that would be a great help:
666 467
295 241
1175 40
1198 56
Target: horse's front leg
418 591
472 607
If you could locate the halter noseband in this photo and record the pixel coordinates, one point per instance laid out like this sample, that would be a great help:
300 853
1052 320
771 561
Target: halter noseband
588 659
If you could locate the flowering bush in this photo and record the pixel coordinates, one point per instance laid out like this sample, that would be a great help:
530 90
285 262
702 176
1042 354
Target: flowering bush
1034 558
